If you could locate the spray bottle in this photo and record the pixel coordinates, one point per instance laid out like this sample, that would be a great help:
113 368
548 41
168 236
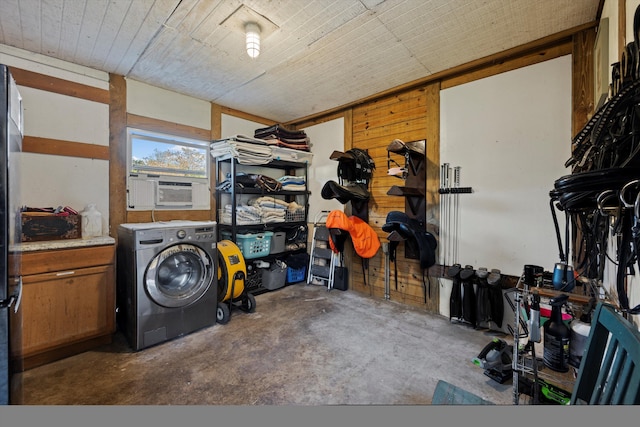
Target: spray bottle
580 329
534 318
556 337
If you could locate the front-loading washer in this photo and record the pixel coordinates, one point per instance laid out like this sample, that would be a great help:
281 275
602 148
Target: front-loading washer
166 280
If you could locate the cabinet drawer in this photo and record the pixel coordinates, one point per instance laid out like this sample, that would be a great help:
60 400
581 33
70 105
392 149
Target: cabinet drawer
66 259
63 307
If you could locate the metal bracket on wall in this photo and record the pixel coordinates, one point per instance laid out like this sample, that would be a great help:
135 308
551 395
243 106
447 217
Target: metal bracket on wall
414 190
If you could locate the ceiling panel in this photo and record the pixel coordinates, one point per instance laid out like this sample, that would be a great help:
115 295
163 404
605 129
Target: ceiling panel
320 55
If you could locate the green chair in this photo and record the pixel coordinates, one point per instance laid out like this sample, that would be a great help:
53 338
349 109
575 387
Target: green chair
609 372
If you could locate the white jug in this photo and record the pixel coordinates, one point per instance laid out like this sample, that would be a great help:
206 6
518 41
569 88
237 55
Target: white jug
91 222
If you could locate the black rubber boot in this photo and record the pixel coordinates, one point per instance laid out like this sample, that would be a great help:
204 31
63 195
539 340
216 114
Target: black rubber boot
455 300
483 305
496 297
467 276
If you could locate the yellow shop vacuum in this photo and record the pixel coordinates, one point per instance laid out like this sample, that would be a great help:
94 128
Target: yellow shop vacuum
232 273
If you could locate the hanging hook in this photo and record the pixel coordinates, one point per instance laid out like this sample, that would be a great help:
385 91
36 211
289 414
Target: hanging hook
625 189
602 198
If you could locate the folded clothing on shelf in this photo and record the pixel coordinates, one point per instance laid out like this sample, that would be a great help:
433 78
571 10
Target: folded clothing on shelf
283 137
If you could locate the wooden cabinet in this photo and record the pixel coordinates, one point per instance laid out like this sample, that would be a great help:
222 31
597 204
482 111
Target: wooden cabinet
67 305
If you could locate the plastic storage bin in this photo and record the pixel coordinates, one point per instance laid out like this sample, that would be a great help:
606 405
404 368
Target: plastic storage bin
254 245
274 277
297 267
297 215
295 275
277 242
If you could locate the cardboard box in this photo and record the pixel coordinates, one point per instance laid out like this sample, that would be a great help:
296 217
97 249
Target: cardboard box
40 226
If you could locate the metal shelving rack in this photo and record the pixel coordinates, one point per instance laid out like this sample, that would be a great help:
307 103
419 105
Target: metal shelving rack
523 364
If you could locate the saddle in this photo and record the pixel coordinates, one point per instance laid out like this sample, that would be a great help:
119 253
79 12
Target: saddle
355 169
399 147
344 193
411 230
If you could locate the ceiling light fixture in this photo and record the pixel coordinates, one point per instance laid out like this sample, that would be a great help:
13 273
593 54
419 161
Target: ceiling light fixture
252 32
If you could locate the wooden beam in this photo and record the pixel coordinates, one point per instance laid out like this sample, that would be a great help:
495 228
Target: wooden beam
583 98
153 216
319 120
157 125
216 133
64 87
216 121
118 153
247 116
622 27
34 144
510 64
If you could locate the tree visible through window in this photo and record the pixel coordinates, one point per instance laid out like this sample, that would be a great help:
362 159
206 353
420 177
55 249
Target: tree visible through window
154 153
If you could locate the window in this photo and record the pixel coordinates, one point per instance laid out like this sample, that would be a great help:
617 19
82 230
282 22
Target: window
166 172
168 155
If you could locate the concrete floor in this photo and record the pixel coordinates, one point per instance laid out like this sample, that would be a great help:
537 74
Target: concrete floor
303 346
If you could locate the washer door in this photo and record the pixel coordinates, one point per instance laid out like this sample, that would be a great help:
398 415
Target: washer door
179 275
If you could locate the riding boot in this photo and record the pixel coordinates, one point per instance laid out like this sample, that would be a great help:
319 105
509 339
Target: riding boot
468 295
496 297
483 305
455 300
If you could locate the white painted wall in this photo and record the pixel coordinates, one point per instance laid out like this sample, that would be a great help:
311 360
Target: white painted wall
631 6
510 134
325 138
150 101
232 125
50 180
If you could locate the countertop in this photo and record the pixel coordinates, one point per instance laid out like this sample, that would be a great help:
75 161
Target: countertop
62 244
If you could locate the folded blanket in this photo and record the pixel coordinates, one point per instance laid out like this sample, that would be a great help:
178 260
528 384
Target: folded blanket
247 153
269 202
294 187
244 215
291 179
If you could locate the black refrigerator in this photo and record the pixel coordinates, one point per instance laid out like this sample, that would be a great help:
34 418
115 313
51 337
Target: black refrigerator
11 132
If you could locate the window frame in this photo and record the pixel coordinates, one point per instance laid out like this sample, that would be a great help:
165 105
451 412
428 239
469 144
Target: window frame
169 139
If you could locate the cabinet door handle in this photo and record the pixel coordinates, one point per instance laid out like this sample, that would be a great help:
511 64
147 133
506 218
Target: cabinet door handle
65 273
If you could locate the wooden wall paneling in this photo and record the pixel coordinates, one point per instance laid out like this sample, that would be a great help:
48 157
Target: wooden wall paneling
503 66
168 215
246 116
432 92
375 125
216 121
35 144
583 97
216 133
583 102
117 153
349 253
63 87
318 120
151 124
622 26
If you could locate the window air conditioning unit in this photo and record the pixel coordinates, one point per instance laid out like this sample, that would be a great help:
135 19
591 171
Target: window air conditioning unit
153 192
174 193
